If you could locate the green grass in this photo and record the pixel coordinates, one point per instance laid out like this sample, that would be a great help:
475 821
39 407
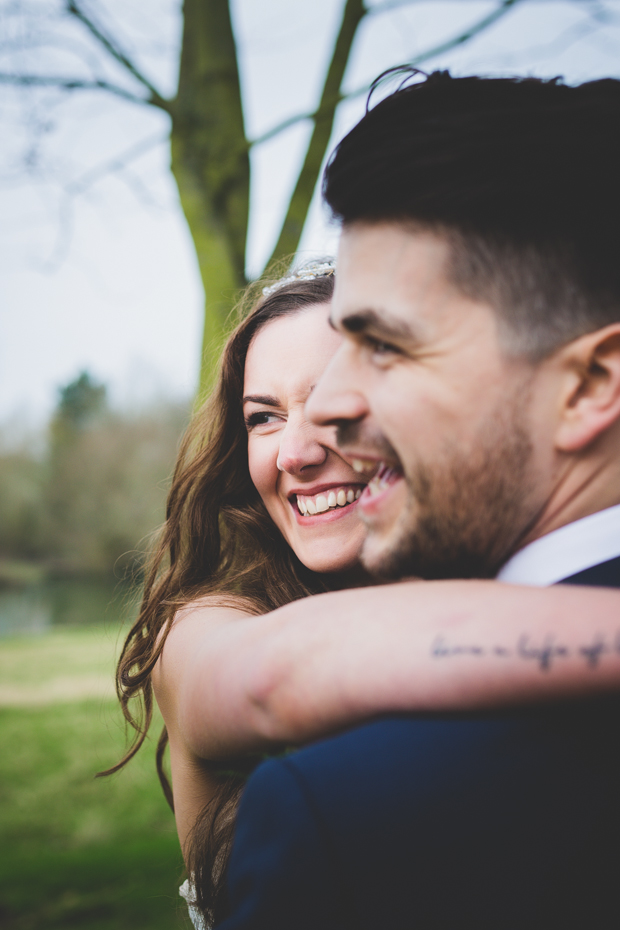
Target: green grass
63 663
78 852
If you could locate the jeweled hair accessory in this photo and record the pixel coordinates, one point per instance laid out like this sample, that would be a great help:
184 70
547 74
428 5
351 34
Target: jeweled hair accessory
306 273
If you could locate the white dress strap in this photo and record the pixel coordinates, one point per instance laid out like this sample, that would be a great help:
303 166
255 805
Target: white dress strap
188 892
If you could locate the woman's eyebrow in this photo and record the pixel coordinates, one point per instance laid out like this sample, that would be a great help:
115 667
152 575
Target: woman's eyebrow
265 399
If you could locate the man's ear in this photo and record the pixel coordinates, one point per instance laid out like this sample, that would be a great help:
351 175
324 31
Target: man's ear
590 404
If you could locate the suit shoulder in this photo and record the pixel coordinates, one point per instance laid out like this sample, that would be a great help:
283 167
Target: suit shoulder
282 865
395 743
446 756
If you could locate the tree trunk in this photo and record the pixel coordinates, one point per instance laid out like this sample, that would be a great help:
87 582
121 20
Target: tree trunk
211 165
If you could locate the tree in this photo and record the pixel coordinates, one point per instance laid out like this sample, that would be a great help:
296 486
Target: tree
209 148
86 501
80 402
103 481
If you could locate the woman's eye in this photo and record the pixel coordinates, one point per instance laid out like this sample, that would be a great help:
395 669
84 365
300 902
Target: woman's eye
260 418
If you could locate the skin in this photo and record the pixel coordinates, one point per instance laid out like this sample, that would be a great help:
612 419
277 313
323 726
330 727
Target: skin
229 683
330 661
288 455
419 377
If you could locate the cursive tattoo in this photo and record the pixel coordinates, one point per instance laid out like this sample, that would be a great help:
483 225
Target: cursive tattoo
544 652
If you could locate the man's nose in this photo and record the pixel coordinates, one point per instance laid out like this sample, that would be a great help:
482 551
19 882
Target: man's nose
338 397
300 447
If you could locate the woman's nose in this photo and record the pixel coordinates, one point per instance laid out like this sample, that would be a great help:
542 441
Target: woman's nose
300 447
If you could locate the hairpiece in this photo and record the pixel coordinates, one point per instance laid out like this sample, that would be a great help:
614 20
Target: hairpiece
306 273
409 71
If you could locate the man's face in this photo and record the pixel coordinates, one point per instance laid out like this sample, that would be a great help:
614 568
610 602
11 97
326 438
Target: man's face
421 390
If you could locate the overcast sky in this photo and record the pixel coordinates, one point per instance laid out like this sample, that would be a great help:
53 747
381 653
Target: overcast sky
108 280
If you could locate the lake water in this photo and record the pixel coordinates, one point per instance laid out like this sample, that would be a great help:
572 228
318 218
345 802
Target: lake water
72 602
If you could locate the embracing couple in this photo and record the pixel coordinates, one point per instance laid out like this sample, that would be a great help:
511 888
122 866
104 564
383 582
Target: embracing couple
445 405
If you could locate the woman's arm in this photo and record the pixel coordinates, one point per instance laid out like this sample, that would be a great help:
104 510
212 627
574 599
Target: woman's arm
239 683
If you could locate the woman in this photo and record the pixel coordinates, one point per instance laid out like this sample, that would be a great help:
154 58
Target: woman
262 513
221 549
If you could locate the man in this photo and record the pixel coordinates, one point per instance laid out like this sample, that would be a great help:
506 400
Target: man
478 295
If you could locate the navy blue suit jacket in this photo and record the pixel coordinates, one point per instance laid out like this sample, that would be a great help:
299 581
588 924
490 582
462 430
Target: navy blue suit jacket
505 821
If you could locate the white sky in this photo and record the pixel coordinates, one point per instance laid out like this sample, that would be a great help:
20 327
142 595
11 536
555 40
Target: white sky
112 284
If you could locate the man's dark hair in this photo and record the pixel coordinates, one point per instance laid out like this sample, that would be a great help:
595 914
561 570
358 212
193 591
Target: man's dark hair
522 176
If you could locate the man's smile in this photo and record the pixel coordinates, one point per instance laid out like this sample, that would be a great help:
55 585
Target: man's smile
381 489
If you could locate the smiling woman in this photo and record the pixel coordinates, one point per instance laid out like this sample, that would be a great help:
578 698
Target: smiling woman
309 491
236 543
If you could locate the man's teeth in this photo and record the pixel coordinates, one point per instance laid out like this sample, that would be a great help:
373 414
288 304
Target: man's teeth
363 465
321 503
381 479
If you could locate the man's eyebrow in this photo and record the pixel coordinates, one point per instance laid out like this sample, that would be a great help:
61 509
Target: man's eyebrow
379 323
265 399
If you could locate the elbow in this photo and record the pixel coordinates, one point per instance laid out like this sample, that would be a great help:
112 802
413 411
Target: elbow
271 696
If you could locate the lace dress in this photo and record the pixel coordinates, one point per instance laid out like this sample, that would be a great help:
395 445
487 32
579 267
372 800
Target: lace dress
187 891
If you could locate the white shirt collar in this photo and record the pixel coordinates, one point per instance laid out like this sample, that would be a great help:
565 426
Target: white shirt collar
566 551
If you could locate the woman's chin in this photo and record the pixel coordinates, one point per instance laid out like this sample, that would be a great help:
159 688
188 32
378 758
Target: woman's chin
329 548
334 562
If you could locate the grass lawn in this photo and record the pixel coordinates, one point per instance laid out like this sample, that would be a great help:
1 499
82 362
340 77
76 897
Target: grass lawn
78 852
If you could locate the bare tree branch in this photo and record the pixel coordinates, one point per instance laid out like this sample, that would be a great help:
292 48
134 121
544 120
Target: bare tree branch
395 4
118 163
464 36
474 30
389 5
588 25
69 193
601 15
568 37
38 80
293 224
139 189
155 97
33 43
63 239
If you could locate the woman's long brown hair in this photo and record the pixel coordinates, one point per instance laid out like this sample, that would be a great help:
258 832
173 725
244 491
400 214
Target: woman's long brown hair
217 540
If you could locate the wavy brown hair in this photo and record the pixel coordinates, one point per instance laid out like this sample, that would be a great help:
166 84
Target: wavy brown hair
217 540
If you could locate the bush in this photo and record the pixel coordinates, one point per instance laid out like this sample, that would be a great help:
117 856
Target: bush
89 503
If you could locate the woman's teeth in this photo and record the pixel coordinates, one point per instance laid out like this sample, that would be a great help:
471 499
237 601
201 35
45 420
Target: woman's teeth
321 503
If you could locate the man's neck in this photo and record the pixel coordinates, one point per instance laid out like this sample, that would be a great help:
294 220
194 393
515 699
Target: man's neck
568 537
582 488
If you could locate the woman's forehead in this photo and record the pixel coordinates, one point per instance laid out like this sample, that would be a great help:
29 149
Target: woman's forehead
290 353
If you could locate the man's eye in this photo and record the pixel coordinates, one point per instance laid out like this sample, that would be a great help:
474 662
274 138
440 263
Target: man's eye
377 347
260 418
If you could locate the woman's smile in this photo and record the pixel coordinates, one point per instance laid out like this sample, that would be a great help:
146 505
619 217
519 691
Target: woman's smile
309 490
330 500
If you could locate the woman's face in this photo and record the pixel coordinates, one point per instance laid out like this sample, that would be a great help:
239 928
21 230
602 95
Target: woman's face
309 490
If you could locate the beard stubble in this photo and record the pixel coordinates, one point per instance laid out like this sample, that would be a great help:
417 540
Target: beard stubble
468 511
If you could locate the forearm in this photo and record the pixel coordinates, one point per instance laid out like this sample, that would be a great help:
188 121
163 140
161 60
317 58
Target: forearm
337 659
